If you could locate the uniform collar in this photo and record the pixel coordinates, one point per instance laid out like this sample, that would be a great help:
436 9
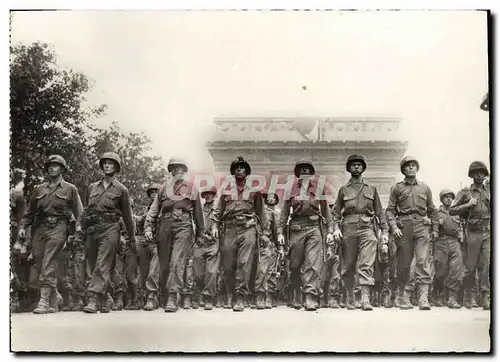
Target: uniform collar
361 182
60 183
410 181
113 181
479 188
443 209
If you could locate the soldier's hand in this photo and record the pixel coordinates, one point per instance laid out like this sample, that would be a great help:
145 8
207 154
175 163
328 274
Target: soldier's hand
397 233
148 235
473 201
215 232
337 235
22 233
281 239
329 239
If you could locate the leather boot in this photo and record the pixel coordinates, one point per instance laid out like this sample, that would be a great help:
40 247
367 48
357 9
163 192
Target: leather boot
92 305
260 300
186 301
229 301
452 300
297 298
171 306
56 301
386 301
310 303
365 298
136 298
423 301
404 302
129 298
151 303
208 302
78 304
270 297
43 303
239 306
468 298
118 301
486 300
107 303
332 301
350 299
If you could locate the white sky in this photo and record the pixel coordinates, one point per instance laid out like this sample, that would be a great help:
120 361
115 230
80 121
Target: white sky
168 73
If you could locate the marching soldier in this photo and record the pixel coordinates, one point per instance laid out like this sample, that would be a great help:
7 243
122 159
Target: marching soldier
276 254
410 201
148 256
447 252
108 201
176 206
245 227
473 206
358 206
310 221
49 212
206 257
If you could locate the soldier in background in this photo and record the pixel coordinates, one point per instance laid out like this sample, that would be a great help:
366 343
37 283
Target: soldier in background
358 206
148 256
245 225
108 201
410 201
310 222
277 252
176 207
75 275
49 212
473 205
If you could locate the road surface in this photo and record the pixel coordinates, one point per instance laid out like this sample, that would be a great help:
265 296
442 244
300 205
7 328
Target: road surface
279 329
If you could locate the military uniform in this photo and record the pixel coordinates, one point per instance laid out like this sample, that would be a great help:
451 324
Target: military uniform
175 214
49 213
410 201
17 260
243 218
101 224
477 220
356 210
310 221
276 252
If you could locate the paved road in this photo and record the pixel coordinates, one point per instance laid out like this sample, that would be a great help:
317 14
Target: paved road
280 329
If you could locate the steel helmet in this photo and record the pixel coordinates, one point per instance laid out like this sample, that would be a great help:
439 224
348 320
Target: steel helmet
353 158
56 159
445 192
113 156
240 161
302 163
177 162
477 165
212 190
153 186
407 159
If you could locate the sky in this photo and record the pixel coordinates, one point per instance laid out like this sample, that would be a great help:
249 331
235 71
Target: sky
169 73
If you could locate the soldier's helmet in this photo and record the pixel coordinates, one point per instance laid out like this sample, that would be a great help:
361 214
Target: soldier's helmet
152 187
113 156
240 161
408 159
212 190
353 158
477 165
56 159
445 192
301 164
174 161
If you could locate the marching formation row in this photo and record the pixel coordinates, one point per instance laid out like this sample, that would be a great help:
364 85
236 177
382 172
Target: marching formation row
235 249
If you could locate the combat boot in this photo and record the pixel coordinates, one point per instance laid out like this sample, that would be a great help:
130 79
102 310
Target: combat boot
404 302
269 300
118 301
171 306
357 300
452 300
229 301
332 302
92 305
220 300
239 306
208 302
130 301
310 303
467 298
56 301
136 298
78 304
365 298
151 303
350 299
260 300
297 299
423 302
186 301
107 303
43 303
486 300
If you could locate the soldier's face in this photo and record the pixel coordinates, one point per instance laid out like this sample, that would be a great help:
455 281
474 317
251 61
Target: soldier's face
479 176
241 172
152 194
109 167
356 168
270 200
305 170
447 200
177 170
410 169
209 197
54 169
